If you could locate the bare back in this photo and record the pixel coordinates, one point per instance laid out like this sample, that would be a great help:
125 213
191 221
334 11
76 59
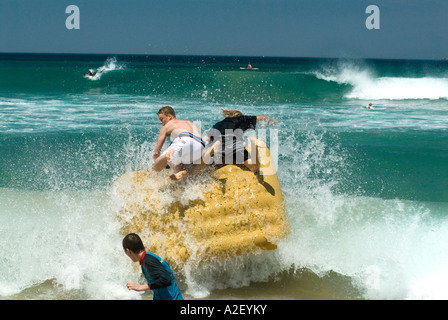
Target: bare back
175 127
172 128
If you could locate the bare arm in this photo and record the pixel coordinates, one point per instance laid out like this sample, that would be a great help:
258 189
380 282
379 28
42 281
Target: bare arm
137 287
267 119
160 142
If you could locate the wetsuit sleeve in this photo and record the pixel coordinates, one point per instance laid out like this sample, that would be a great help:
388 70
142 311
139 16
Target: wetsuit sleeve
241 122
248 122
160 277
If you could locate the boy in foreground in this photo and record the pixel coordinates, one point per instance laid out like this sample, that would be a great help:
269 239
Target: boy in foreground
158 274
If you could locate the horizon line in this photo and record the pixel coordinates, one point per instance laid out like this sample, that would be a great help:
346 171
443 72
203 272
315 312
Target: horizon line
216 56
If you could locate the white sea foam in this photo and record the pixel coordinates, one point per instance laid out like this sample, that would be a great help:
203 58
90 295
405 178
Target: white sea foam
55 237
369 87
391 249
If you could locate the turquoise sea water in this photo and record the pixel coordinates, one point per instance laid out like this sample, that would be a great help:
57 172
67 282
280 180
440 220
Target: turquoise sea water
366 191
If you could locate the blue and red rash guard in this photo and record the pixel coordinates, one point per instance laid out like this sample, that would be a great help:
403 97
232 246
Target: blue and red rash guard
160 277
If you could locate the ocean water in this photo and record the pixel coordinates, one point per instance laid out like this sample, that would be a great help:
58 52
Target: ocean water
366 190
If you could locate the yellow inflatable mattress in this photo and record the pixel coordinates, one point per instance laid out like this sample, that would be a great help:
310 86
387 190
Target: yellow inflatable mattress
214 215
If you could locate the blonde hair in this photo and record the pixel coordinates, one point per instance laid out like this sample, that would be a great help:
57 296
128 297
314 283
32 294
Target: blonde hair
166 111
231 113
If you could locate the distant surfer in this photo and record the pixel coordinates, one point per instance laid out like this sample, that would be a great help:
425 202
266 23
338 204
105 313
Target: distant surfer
369 106
90 74
227 136
158 274
186 148
249 67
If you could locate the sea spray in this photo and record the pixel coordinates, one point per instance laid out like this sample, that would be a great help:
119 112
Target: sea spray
55 239
63 235
380 244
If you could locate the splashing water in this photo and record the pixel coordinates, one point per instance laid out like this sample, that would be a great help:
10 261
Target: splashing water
111 64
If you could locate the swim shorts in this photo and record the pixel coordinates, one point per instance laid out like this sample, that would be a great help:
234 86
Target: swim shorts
187 149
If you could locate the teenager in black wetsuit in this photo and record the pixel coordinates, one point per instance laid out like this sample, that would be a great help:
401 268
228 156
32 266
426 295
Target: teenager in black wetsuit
227 136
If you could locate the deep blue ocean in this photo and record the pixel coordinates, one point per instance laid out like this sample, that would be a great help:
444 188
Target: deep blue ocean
366 190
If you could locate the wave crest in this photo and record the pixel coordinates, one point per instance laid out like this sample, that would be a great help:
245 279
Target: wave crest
365 85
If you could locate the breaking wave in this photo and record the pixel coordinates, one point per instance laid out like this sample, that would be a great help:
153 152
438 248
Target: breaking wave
366 85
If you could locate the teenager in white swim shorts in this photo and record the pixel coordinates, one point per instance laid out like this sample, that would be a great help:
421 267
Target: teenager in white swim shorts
185 149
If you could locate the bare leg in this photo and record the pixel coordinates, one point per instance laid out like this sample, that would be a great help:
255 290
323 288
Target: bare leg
257 142
253 164
209 152
169 155
161 162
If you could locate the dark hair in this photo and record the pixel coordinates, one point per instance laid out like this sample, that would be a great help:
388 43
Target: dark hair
133 242
166 111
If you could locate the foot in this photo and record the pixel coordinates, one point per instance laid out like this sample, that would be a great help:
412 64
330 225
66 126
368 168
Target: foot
179 175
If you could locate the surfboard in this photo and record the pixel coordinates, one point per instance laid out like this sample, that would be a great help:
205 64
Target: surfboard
232 212
242 68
